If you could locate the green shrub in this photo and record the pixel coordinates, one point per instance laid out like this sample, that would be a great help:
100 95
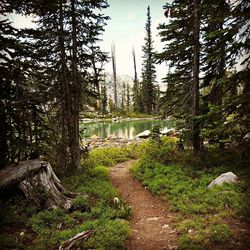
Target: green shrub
191 242
108 234
49 219
106 157
10 242
81 203
182 179
220 233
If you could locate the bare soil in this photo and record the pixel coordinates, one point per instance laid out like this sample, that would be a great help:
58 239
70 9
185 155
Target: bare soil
151 220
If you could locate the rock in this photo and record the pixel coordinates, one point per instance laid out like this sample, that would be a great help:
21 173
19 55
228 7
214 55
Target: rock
153 218
226 177
94 137
166 131
144 134
173 247
247 137
165 226
22 234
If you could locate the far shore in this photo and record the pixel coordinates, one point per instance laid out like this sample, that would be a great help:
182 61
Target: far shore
118 118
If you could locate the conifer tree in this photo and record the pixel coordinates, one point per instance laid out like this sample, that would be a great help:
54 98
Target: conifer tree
123 101
21 114
147 91
177 53
225 40
62 49
217 40
136 87
128 98
104 99
181 51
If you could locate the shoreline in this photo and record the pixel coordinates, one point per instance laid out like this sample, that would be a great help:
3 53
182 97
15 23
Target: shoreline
92 143
118 119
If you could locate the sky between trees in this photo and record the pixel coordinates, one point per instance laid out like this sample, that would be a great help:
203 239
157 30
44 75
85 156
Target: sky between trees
126 29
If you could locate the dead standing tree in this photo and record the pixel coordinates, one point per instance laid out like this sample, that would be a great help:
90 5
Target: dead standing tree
114 73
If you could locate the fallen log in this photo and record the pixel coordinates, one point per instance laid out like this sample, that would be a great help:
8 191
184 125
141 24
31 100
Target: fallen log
38 182
68 244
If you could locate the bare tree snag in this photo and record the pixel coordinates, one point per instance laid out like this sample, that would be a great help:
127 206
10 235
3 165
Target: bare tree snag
38 182
67 245
114 73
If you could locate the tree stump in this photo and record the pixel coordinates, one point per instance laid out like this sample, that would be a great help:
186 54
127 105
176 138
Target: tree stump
38 182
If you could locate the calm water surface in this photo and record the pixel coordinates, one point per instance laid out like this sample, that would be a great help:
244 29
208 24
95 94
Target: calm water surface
122 129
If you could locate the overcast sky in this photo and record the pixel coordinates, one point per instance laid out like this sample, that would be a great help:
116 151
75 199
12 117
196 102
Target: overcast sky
126 29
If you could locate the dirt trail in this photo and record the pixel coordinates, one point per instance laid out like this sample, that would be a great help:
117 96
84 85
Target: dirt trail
151 220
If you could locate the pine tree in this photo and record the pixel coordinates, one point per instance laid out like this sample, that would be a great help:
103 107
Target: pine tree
217 40
147 91
196 79
181 51
64 44
136 87
178 53
123 101
128 98
22 117
104 99
226 92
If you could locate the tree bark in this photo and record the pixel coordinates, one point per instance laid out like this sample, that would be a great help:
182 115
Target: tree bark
3 136
74 135
64 98
136 85
114 74
38 182
195 89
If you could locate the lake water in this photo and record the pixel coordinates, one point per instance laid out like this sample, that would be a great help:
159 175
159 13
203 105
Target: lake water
123 129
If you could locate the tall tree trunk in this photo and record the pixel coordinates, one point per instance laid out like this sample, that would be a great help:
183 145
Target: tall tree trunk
135 70
114 73
65 106
136 85
195 89
74 136
3 136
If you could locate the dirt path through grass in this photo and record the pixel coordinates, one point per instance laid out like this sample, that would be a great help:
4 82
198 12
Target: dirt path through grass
151 221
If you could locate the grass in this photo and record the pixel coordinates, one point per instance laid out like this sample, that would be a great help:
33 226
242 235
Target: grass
177 176
106 157
182 180
25 226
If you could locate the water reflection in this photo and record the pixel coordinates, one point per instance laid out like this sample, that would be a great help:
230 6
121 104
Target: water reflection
122 129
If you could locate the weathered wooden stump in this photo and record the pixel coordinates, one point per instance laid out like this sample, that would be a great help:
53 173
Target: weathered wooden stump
38 182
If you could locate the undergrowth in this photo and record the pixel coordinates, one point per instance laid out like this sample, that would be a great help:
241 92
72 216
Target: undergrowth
182 179
24 226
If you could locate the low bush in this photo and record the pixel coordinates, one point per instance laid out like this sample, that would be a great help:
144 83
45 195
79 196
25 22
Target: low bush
96 211
106 157
170 174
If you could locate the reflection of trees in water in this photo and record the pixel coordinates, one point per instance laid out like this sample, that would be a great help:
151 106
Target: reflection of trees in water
124 129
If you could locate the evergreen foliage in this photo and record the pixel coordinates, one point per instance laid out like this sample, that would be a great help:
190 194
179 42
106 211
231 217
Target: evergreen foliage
49 73
223 91
147 90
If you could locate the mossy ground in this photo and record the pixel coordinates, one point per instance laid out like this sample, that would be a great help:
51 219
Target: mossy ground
25 226
204 215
